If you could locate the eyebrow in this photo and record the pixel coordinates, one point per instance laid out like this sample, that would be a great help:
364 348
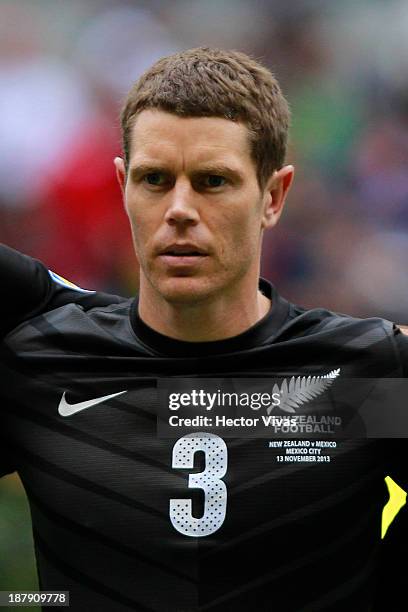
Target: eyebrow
214 168
138 170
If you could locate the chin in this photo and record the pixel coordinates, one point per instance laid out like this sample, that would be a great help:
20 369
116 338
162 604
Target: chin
185 289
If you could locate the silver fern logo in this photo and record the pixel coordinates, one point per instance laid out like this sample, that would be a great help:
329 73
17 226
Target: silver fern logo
302 389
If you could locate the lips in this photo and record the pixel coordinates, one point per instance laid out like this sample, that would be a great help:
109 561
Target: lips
182 255
183 249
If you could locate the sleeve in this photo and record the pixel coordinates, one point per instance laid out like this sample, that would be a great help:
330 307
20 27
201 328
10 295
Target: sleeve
392 593
29 289
25 286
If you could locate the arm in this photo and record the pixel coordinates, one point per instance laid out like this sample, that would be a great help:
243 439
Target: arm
25 289
25 286
392 578
29 289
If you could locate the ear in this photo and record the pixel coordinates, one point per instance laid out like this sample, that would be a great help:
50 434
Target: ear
120 174
275 194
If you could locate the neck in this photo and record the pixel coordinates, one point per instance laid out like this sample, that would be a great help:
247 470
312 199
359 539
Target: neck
215 319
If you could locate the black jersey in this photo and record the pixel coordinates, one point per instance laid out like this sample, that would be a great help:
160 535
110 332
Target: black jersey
112 516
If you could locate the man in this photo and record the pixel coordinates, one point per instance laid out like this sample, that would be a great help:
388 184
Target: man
124 518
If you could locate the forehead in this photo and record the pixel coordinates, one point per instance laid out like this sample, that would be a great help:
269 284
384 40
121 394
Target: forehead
164 136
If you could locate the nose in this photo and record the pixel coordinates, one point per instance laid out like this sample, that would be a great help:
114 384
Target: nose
182 205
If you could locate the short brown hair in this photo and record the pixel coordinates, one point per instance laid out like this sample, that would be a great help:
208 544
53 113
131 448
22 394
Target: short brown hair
206 82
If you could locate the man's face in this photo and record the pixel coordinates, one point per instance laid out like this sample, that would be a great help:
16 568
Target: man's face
195 206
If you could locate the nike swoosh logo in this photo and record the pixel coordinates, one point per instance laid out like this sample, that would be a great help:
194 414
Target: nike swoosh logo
66 409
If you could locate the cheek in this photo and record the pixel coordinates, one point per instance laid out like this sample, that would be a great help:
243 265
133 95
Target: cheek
237 243
243 230
139 232
134 202
139 221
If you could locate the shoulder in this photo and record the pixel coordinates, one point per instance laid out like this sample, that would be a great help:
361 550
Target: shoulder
319 320
369 345
64 292
94 324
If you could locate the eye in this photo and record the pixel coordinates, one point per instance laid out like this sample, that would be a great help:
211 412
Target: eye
156 179
214 180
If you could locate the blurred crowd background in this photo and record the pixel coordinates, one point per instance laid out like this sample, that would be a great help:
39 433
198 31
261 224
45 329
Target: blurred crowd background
65 67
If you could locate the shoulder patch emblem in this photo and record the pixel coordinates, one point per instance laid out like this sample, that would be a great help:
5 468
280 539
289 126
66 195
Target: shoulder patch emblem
60 280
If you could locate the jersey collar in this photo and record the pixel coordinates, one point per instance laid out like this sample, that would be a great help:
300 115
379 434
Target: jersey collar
261 333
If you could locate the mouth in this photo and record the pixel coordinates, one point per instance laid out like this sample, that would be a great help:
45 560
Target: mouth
182 253
183 248
182 256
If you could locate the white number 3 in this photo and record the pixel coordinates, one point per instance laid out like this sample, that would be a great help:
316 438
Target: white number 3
215 490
